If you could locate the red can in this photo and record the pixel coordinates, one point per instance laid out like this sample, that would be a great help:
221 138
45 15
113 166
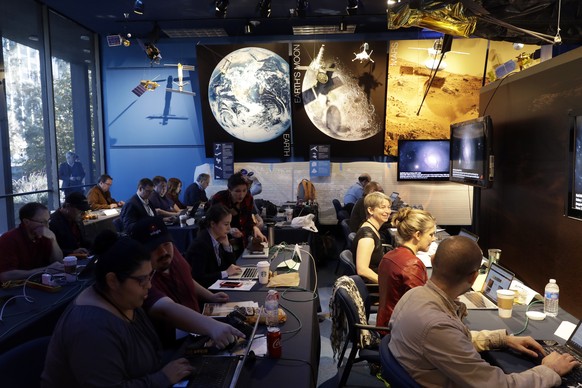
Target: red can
274 343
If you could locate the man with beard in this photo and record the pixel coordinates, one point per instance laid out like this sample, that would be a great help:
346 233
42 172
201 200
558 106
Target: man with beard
173 300
67 224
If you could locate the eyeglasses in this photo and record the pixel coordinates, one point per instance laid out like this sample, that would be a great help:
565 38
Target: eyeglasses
43 222
144 279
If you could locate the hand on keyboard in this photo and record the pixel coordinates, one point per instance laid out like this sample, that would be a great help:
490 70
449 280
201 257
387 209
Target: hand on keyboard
562 364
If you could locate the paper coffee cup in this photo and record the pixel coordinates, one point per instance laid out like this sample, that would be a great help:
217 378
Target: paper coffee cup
505 300
70 263
289 214
263 270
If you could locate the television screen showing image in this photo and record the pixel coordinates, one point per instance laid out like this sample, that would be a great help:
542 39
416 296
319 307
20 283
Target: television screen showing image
423 160
471 153
574 203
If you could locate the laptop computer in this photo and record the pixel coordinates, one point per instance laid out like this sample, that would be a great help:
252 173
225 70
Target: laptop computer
498 278
466 233
248 254
220 371
246 273
513 362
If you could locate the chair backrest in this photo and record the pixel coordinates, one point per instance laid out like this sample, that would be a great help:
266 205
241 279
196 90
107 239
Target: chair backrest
337 206
345 228
392 371
350 310
22 366
347 262
364 294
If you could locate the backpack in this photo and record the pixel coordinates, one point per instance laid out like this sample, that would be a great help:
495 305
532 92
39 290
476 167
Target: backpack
306 191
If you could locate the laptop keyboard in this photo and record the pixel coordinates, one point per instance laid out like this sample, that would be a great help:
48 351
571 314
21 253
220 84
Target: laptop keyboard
249 273
475 298
212 372
576 374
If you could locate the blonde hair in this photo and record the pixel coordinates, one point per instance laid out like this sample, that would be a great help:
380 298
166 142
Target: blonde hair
374 200
408 221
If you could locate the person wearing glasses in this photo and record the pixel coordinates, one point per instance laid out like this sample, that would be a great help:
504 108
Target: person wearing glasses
175 298
138 206
31 247
99 196
104 338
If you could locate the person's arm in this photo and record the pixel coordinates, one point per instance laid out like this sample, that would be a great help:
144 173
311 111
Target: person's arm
56 252
19 274
197 256
363 257
190 321
129 216
94 199
413 275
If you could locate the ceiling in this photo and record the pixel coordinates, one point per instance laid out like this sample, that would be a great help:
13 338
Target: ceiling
107 16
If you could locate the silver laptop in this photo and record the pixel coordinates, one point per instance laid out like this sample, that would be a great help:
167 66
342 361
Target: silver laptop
246 273
220 371
498 278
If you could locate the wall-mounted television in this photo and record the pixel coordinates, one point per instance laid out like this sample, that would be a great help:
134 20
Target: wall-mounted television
423 160
574 201
471 152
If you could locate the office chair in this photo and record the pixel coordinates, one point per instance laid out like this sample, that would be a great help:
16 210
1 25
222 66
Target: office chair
347 262
21 367
340 212
392 371
355 325
346 231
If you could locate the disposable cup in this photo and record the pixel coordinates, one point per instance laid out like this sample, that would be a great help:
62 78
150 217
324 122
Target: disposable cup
505 300
263 270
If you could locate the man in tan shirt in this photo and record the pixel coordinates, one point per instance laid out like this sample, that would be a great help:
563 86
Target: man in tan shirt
99 196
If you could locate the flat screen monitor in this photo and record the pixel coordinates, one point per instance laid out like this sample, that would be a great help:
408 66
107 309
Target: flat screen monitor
574 201
423 160
471 152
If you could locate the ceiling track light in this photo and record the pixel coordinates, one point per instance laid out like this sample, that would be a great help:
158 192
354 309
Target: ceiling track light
221 7
264 8
352 7
138 7
301 9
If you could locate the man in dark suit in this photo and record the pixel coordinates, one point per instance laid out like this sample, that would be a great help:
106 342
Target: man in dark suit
195 193
138 206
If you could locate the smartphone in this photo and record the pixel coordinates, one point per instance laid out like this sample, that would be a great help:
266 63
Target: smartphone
230 284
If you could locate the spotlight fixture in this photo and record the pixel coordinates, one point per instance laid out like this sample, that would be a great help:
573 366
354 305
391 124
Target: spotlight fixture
138 7
264 8
301 9
352 7
221 6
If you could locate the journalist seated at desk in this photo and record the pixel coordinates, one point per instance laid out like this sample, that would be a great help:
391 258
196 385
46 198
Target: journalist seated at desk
429 339
211 256
99 196
67 224
196 192
367 247
31 247
400 269
173 301
104 338
138 206
161 203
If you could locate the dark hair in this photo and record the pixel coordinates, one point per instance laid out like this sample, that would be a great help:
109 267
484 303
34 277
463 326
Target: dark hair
29 210
372 187
104 240
173 184
236 180
202 177
104 178
122 258
145 182
456 258
214 214
158 179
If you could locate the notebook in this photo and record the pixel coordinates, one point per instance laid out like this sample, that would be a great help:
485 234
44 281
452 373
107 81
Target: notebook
220 371
513 362
246 273
498 278
466 233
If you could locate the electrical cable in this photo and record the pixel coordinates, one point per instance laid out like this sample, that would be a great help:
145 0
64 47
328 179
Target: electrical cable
526 317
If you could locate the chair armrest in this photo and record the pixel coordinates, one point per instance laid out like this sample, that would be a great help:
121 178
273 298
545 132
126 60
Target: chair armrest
370 327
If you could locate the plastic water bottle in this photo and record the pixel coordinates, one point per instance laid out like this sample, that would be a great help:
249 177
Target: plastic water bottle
272 308
551 298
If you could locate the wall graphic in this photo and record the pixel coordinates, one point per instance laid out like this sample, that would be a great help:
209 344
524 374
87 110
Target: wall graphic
453 96
246 98
339 91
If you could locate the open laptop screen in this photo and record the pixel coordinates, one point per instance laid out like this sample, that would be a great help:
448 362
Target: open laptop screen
466 233
498 278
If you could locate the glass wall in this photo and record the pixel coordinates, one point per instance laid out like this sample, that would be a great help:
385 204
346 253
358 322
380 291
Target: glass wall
47 108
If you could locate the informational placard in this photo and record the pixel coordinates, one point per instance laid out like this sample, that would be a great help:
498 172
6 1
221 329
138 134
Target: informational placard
223 160
319 160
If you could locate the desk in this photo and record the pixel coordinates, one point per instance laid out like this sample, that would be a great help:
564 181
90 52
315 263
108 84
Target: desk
299 364
96 226
183 236
23 321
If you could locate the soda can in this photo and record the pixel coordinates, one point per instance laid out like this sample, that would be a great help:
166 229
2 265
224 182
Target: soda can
274 343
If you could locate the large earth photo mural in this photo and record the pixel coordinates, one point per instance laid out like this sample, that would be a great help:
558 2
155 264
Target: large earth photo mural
452 97
338 93
246 98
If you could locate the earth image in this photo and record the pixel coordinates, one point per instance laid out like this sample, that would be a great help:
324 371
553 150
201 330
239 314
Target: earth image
250 95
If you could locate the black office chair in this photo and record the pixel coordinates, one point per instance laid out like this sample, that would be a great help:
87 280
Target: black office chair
392 371
349 311
346 260
21 367
346 231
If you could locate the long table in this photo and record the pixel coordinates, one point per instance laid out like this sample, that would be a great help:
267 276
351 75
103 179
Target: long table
298 366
